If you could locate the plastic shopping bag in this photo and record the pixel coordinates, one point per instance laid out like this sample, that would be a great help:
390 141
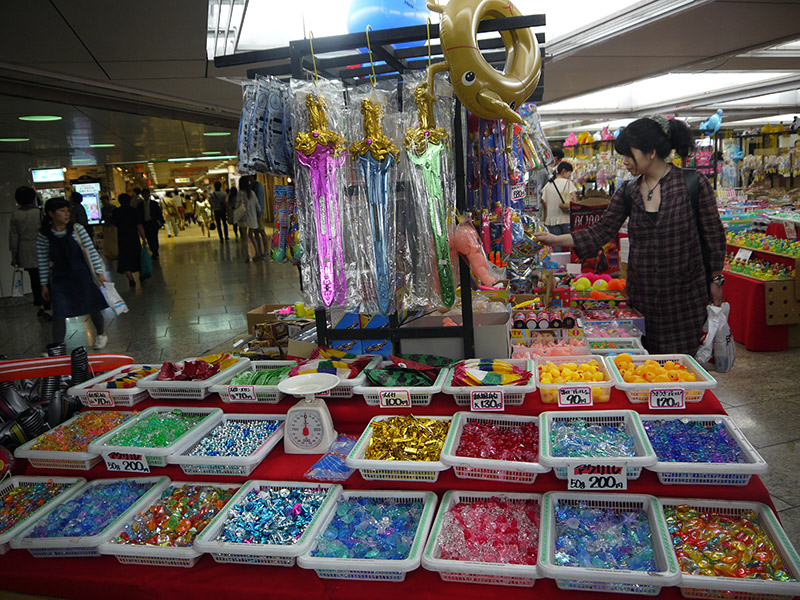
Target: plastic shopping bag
146 264
717 350
113 298
17 285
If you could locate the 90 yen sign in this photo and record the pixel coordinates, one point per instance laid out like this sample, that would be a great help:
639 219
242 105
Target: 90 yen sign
575 396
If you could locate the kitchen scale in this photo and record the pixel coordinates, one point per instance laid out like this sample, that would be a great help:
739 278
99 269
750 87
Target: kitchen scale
309 427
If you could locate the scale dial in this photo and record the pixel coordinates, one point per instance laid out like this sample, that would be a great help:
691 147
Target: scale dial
305 429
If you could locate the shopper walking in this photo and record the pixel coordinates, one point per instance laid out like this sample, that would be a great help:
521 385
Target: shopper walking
23 228
250 219
240 218
170 214
219 204
79 215
556 197
230 205
130 237
669 238
261 235
67 260
152 218
188 208
203 216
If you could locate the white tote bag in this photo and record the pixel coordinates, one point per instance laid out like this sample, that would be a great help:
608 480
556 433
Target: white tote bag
113 298
717 349
17 284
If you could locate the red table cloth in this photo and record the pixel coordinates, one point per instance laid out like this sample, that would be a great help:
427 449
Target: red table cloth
104 577
748 319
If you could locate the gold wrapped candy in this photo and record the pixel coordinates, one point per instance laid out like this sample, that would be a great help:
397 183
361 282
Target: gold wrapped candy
407 438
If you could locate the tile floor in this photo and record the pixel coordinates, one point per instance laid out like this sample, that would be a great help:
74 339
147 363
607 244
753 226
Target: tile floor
202 289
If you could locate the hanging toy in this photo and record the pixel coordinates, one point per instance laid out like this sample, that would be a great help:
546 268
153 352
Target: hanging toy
469 246
572 140
712 124
606 135
485 91
377 154
320 150
424 145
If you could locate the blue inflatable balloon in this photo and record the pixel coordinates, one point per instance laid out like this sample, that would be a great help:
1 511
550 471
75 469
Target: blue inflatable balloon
386 14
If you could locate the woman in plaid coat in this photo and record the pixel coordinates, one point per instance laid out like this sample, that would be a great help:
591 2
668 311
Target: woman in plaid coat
667 281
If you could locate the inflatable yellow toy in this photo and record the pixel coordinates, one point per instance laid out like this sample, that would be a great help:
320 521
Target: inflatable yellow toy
485 91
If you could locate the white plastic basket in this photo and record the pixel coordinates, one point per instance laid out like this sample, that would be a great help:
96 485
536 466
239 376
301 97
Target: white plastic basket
229 465
189 390
466 467
420 396
513 395
71 486
120 397
616 581
734 588
708 473
601 390
85 545
494 573
639 393
157 457
392 470
56 459
282 555
645 456
366 569
346 386
265 394
630 345
160 556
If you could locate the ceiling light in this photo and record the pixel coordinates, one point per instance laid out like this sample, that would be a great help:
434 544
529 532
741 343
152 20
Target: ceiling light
101 145
40 118
212 152
15 139
214 133
199 158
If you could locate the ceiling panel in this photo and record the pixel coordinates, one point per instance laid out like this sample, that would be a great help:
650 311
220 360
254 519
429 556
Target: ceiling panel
35 32
163 69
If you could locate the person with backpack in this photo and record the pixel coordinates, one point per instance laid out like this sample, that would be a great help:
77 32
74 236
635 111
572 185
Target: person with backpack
219 203
677 241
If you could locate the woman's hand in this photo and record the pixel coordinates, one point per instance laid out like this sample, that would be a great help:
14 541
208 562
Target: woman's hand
102 278
45 293
546 238
716 294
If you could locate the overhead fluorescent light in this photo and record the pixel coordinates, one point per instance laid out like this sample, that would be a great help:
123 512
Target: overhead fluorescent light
15 139
217 172
212 152
101 145
216 133
39 118
200 158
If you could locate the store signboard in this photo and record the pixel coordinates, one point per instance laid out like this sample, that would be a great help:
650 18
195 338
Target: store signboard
90 200
180 180
596 478
47 175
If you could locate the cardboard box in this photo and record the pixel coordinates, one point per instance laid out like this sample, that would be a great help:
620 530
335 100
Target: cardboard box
345 320
492 337
299 349
297 326
265 312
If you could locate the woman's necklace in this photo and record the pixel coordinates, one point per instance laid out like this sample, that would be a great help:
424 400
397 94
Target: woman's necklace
650 190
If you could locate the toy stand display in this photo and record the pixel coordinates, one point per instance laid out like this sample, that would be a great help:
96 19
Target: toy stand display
360 473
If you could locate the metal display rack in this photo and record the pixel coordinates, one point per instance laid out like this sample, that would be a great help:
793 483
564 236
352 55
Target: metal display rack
296 59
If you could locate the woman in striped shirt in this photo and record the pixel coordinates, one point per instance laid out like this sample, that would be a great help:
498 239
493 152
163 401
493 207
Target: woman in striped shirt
62 250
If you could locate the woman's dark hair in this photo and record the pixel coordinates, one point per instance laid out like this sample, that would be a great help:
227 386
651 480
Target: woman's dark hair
76 197
244 184
646 134
232 191
25 195
124 199
52 205
558 153
564 166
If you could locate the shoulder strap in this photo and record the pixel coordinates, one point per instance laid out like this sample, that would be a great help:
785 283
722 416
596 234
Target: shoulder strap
628 199
693 185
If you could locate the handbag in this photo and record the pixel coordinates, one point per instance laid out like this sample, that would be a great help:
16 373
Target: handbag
212 226
88 257
113 298
239 212
146 267
17 284
717 350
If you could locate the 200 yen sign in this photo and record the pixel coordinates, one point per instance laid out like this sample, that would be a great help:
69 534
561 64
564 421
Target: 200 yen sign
597 477
667 399
126 462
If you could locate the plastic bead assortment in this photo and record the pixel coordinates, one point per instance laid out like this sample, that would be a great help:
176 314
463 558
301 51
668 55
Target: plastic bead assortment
374 528
272 515
18 503
602 538
651 372
157 430
484 439
580 439
407 438
719 545
77 436
177 517
128 378
494 530
265 377
91 511
235 438
682 440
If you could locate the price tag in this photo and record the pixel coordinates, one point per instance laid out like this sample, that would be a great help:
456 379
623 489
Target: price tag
489 400
99 398
242 393
395 399
597 478
518 192
667 399
126 462
743 254
575 396
791 230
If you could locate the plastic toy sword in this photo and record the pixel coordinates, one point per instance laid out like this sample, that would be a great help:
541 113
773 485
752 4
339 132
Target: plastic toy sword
320 149
424 145
377 154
